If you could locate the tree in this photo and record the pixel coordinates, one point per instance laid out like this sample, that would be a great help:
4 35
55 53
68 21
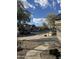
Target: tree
51 22
45 25
58 17
22 13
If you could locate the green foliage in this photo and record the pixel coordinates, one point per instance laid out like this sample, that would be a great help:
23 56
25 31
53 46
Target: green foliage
22 13
45 25
51 20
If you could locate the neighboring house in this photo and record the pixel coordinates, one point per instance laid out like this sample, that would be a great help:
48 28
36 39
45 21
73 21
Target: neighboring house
58 27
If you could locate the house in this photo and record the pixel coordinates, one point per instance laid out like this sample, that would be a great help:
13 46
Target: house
58 27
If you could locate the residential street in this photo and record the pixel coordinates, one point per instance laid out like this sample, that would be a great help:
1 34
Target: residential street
39 46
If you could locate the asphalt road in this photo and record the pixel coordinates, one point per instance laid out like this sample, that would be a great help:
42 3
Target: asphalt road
40 38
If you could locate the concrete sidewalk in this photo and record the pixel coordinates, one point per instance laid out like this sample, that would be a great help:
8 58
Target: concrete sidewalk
40 52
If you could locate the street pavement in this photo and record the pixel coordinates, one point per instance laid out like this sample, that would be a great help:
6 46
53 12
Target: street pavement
38 36
37 52
40 52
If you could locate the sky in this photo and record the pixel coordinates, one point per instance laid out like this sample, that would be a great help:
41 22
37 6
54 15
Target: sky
41 8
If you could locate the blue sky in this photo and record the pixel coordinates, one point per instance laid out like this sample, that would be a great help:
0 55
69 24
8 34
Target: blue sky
41 8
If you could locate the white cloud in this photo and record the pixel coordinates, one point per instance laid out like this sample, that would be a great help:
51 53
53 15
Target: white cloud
58 1
27 4
42 3
31 6
54 3
59 11
38 20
